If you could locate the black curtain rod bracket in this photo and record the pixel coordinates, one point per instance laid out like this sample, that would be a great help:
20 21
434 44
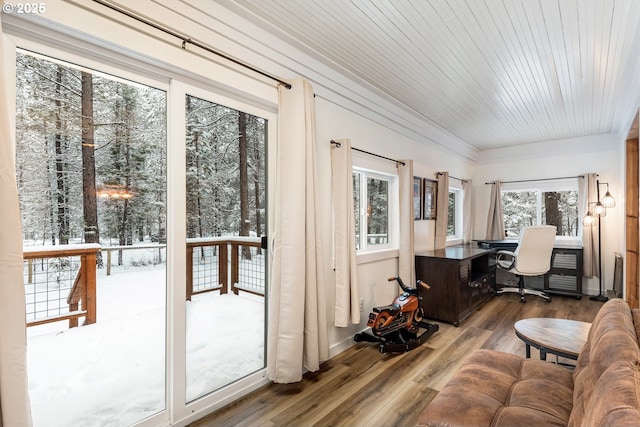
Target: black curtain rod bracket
337 144
186 40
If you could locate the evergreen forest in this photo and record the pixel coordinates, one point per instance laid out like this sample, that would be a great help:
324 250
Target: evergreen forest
91 160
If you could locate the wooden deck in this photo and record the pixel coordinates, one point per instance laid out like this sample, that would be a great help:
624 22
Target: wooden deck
361 387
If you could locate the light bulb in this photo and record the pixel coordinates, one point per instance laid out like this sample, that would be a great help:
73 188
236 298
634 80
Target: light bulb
588 220
599 210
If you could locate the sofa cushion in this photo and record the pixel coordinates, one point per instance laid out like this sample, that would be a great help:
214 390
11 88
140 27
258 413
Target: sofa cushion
616 398
501 389
612 338
635 314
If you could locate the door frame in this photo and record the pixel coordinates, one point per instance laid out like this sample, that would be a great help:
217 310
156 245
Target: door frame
176 264
632 225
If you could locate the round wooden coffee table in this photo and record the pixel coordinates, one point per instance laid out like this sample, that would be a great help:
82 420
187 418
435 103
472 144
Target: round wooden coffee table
562 337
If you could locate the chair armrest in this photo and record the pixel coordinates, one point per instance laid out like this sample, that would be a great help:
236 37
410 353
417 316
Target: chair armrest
505 260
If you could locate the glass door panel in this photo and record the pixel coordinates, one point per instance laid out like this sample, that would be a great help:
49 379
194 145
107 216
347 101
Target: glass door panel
91 172
226 215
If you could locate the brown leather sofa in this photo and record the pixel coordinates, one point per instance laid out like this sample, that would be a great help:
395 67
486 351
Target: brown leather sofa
505 390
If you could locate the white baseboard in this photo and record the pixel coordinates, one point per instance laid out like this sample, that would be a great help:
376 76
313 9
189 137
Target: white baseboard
341 346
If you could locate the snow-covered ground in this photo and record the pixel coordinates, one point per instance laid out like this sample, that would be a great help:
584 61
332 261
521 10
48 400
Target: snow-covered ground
112 373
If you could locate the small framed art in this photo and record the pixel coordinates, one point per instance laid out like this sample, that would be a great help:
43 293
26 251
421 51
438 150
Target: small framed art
430 188
417 198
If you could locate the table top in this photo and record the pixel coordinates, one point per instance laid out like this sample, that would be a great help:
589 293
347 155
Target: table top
555 335
458 252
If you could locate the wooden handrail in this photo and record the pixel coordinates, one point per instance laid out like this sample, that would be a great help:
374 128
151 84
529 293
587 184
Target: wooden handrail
37 252
212 241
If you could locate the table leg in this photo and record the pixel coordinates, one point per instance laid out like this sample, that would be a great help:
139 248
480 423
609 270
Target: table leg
543 355
528 351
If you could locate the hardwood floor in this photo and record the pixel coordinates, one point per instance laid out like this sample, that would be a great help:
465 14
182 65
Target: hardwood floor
362 387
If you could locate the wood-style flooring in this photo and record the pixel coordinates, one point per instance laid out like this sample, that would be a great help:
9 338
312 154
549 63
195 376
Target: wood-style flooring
362 387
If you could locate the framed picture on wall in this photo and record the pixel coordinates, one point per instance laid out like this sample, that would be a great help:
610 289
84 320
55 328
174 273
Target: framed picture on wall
417 198
430 191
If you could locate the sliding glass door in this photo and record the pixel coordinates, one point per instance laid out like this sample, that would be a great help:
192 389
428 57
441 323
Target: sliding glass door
225 220
91 171
144 211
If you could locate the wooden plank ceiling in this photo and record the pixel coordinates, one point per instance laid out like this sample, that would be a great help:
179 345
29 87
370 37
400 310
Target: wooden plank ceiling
494 73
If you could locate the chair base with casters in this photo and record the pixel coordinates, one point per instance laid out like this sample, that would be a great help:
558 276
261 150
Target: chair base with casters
523 291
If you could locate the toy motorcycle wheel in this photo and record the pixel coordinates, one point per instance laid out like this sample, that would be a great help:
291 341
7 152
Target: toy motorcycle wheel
379 322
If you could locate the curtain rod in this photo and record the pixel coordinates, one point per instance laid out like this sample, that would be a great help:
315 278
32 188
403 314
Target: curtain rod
337 144
453 177
535 180
186 40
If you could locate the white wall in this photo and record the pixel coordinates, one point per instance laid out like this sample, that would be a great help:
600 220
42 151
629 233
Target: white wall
601 154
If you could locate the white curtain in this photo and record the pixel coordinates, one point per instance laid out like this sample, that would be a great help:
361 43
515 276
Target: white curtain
406 259
297 336
587 192
15 409
495 220
347 306
442 210
466 211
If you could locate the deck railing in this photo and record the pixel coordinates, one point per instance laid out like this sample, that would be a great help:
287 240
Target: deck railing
224 263
157 258
60 281
60 284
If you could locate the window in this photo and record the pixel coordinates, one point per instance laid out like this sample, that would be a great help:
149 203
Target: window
375 202
454 214
552 202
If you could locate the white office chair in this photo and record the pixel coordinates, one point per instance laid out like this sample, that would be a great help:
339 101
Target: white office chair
532 257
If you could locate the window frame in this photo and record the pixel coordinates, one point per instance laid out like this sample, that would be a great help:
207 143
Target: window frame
392 211
548 185
457 237
458 193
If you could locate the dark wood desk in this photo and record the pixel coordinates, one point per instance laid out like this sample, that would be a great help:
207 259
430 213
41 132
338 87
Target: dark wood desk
564 277
562 337
462 279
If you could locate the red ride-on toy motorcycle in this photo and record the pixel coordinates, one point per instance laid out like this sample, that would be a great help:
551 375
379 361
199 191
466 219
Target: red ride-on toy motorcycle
397 326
